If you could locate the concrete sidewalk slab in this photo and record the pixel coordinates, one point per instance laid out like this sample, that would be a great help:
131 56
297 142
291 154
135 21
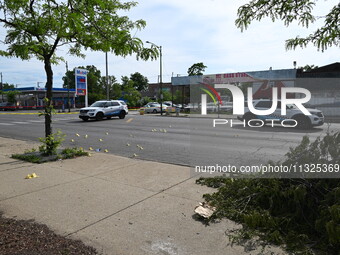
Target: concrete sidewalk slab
149 175
163 224
66 208
13 182
6 160
97 164
10 146
189 190
7 163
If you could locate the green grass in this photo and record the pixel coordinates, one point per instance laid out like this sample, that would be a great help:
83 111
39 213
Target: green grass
34 156
73 153
28 157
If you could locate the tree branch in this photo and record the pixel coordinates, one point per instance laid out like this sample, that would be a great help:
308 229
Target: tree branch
55 45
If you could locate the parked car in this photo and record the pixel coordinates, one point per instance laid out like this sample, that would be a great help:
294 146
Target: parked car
7 106
170 104
192 107
154 108
226 107
104 109
292 112
212 107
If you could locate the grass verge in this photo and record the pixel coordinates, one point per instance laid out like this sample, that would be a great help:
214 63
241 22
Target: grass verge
39 157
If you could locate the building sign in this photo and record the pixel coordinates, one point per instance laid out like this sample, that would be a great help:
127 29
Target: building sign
228 78
81 82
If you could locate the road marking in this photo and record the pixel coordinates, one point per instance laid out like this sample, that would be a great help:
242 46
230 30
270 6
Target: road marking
36 121
6 124
64 119
19 122
129 120
32 113
17 113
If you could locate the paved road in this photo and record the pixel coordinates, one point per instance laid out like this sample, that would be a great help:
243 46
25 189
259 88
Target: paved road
174 140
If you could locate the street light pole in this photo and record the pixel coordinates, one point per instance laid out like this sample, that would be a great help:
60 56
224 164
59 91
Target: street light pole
68 89
107 78
160 79
2 88
160 74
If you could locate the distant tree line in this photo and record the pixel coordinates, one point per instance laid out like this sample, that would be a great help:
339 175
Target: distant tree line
10 95
129 89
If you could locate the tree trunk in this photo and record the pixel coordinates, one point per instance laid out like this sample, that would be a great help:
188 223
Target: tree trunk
48 102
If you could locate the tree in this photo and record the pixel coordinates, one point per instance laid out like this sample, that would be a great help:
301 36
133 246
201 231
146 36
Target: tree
196 69
126 82
167 96
290 11
144 100
178 97
140 82
37 28
114 87
129 92
69 80
301 212
11 95
8 86
4 87
308 67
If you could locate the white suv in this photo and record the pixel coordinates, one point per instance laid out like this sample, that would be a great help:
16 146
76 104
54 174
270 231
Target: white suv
292 112
104 109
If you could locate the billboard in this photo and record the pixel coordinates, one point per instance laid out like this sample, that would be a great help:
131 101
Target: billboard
81 82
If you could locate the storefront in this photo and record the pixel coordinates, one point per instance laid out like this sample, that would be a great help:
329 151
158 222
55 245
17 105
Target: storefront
33 97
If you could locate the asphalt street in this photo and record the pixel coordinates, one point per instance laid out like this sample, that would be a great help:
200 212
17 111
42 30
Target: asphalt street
175 140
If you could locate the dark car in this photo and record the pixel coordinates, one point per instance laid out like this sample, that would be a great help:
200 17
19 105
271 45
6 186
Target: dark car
7 106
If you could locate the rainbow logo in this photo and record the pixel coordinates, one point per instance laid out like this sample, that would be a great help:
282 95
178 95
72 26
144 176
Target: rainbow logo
210 91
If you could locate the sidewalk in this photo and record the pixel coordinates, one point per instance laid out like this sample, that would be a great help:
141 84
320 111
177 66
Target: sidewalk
117 205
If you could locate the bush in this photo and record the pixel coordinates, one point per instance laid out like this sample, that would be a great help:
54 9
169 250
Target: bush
302 214
51 143
30 157
73 152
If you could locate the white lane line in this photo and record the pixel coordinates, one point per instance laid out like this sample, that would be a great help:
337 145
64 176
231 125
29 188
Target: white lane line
36 121
64 119
19 122
6 124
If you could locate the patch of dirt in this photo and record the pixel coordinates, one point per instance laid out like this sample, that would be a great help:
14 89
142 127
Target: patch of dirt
25 237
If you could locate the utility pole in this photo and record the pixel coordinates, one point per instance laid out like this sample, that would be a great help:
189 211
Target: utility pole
1 88
160 73
161 81
68 89
107 78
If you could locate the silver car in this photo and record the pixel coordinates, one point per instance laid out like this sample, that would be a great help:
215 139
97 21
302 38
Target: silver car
154 108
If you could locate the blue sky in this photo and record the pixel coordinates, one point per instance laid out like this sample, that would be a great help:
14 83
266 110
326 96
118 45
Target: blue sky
190 31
